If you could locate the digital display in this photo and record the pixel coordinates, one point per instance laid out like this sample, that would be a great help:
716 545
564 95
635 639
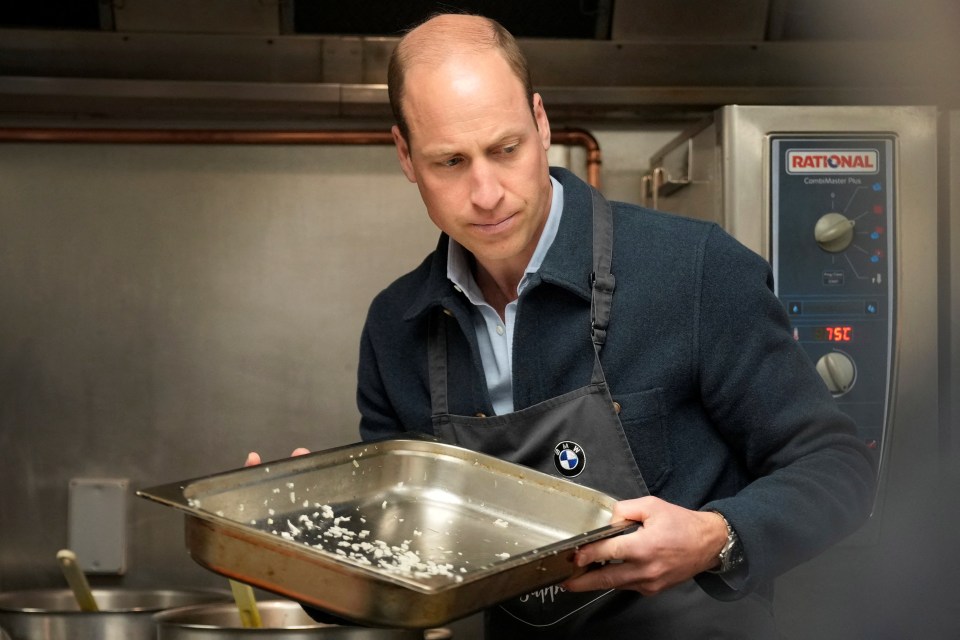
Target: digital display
842 333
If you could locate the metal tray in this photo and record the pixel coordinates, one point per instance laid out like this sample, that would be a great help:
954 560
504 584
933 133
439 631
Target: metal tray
464 530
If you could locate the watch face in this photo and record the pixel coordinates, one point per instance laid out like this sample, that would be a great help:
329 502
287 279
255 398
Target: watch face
731 556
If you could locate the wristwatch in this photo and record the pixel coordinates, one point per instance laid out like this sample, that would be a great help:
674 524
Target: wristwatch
731 555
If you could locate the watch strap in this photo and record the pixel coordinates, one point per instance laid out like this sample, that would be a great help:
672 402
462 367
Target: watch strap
731 555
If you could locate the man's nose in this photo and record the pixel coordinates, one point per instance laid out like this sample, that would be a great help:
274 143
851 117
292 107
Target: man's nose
486 191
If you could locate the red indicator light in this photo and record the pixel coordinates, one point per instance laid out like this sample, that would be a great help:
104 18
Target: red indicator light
878 209
839 334
843 333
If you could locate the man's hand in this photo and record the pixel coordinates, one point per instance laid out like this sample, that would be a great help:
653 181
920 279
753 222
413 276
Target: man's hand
673 545
254 458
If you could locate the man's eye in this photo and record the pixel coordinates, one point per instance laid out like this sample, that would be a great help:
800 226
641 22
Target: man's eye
509 149
452 162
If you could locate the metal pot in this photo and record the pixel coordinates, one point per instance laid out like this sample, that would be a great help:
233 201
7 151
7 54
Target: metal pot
282 620
125 614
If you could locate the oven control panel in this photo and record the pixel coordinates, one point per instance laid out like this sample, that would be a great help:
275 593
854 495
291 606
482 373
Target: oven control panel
833 256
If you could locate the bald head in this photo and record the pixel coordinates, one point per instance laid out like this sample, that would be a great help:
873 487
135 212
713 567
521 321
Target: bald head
446 35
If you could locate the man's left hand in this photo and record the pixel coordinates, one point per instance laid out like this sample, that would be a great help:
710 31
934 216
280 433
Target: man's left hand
673 545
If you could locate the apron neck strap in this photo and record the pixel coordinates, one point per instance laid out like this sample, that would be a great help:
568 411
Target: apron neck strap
437 361
602 281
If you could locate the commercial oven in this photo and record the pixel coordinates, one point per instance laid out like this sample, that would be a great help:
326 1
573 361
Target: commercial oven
843 202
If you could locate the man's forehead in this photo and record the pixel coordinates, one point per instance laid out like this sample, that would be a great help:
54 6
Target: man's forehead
437 62
439 126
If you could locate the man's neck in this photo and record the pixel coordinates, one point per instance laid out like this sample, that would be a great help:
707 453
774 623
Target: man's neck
499 284
499 280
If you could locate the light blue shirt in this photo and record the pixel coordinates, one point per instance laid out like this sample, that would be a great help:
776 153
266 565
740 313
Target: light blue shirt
495 336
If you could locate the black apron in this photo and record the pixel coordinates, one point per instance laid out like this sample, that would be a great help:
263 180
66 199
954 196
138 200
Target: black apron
579 435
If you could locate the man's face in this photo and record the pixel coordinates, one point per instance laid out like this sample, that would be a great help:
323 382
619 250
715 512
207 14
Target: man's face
478 155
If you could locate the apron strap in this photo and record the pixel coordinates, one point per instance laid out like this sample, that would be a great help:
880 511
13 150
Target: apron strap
437 361
601 280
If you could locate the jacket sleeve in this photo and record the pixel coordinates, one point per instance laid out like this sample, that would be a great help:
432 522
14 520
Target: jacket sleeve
811 478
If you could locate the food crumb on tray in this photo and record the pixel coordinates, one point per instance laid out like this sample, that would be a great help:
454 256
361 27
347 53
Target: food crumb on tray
323 529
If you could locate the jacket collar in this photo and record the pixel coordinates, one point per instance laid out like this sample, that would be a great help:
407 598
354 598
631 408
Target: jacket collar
568 263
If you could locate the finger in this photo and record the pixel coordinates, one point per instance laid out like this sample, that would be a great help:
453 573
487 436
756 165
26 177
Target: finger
299 451
602 551
637 509
610 576
253 458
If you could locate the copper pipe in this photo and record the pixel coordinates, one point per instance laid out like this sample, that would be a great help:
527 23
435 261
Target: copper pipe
583 138
574 137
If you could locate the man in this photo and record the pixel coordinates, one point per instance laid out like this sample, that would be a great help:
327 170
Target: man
549 320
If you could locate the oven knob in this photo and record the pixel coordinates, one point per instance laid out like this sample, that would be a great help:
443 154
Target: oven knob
834 232
838 371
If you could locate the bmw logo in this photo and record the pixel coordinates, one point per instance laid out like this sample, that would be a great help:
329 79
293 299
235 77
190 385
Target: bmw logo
569 458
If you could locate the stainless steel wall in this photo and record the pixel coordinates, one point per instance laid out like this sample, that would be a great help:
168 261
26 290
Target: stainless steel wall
166 309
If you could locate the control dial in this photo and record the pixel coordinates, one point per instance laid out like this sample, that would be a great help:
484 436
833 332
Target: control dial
838 372
834 232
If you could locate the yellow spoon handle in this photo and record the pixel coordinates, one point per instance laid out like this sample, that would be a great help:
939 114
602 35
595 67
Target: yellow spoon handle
246 604
77 580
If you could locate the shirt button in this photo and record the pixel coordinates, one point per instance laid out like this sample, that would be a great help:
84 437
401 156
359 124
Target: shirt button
616 406
500 329
480 414
448 312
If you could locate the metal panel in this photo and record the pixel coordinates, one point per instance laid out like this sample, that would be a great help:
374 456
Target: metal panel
691 20
167 308
618 79
949 251
699 192
209 16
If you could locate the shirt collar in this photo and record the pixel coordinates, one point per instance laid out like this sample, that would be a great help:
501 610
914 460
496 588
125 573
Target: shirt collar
458 259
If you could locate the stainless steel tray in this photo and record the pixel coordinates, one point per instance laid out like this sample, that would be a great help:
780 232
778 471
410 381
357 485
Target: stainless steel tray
402 533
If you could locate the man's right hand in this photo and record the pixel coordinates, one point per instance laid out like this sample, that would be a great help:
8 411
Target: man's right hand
254 458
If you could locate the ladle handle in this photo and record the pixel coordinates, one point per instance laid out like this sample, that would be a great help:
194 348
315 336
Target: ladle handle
77 580
246 605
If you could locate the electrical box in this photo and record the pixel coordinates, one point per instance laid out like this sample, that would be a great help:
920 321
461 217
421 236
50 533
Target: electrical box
97 524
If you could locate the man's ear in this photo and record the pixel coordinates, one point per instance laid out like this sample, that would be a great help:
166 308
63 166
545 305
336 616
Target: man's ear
543 124
403 154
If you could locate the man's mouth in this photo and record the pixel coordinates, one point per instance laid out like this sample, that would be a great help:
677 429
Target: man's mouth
496 227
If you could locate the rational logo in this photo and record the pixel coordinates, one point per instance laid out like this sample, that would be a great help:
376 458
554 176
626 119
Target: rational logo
832 161
569 458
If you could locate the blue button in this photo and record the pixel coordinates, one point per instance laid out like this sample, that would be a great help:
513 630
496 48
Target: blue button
795 308
871 308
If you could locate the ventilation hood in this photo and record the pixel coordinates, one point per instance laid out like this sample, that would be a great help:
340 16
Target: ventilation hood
608 59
